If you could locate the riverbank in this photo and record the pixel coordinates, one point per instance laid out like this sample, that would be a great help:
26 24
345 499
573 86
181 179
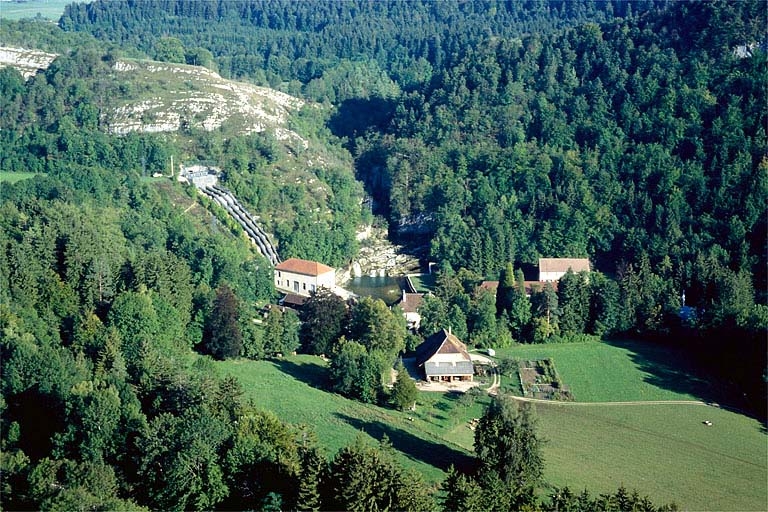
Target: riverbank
378 257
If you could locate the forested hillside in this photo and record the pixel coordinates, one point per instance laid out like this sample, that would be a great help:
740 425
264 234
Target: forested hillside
278 157
612 142
629 133
280 40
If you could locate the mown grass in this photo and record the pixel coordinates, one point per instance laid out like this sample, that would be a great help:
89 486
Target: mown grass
292 389
621 371
13 177
663 451
423 283
49 9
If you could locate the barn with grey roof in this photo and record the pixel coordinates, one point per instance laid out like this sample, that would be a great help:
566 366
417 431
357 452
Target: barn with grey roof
444 358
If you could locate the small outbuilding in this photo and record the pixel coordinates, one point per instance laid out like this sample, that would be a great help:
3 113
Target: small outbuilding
410 304
444 358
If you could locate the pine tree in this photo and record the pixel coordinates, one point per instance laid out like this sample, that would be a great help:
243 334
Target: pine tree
573 297
404 391
546 314
224 336
505 290
461 493
312 471
519 308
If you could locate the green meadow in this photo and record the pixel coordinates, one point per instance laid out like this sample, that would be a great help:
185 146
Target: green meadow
49 9
292 389
662 450
13 177
423 283
621 371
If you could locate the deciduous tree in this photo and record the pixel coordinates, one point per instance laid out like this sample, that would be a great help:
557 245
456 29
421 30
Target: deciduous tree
324 318
376 327
509 449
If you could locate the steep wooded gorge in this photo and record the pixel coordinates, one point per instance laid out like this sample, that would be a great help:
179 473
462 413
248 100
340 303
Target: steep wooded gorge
488 133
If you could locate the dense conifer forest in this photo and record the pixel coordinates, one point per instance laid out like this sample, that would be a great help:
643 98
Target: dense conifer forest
629 133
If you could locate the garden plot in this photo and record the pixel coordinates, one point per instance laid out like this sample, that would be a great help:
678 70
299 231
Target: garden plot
539 379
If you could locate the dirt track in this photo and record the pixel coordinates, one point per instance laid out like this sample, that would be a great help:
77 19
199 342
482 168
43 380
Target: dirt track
648 402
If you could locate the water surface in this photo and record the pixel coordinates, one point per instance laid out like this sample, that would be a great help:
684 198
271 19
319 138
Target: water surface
386 288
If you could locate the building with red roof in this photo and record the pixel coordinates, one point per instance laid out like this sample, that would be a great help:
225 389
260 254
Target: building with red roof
302 277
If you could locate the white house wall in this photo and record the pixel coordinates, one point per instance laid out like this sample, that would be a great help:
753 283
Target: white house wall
550 276
413 320
301 284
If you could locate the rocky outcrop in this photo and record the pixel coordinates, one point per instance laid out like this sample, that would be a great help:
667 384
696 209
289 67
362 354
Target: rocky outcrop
379 257
197 97
28 62
168 97
175 96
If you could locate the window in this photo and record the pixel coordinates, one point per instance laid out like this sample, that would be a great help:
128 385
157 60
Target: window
296 286
311 287
304 286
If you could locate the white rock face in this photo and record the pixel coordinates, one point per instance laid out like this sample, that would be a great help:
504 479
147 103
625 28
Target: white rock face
206 103
28 62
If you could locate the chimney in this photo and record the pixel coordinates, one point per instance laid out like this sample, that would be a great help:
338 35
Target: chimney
449 330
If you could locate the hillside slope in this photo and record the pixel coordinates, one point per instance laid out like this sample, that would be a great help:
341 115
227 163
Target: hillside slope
277 156
173 96
166 97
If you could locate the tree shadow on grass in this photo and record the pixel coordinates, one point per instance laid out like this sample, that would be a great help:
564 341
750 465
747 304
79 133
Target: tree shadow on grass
671 368
309 373
435 454
448 401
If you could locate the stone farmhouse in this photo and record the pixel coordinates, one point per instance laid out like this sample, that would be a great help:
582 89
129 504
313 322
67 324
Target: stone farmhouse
444 358
302 277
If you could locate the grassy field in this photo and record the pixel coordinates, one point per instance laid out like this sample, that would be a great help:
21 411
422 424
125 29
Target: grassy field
663 451
423 282
49 9
291 389
13 177
621 371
